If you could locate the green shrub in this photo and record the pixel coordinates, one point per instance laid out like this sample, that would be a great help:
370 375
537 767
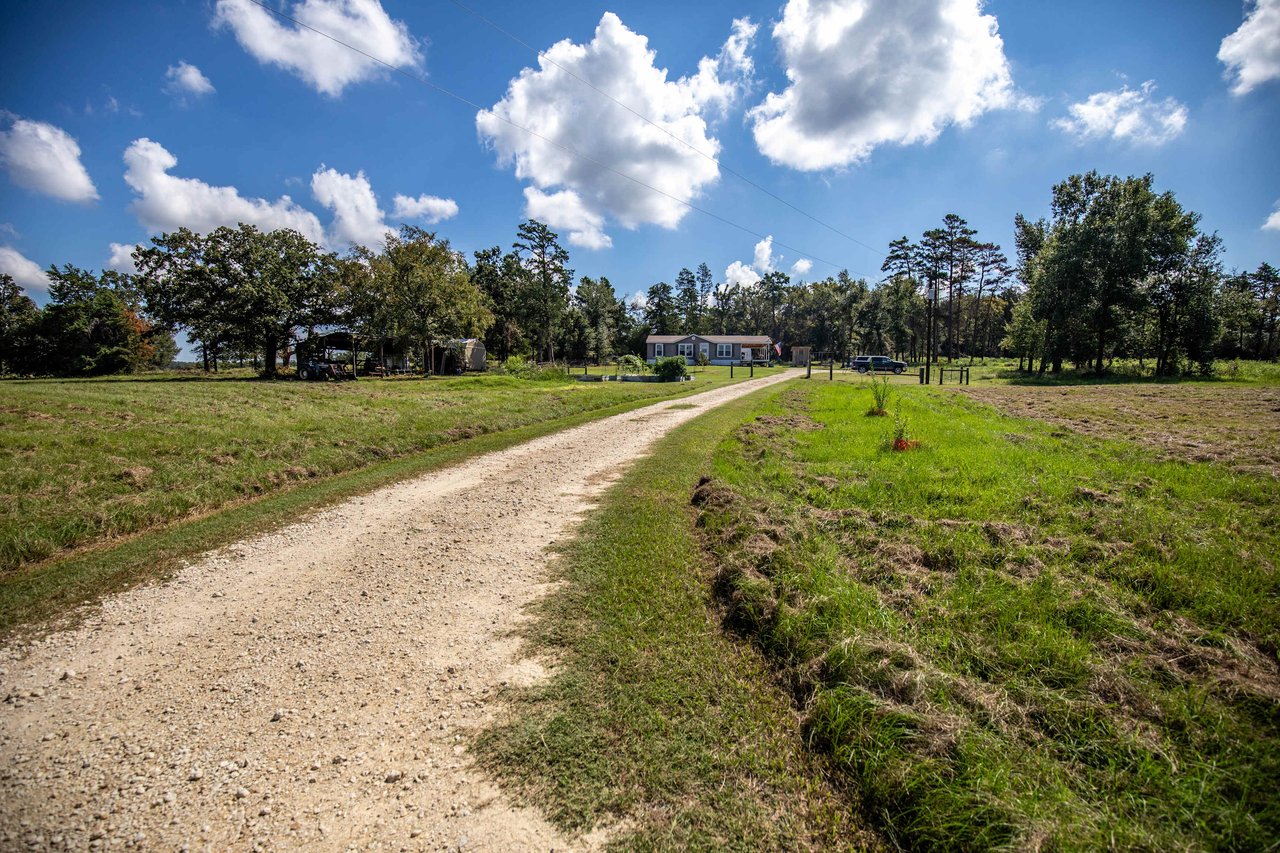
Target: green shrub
546 373
523 368
671 368
633 365
518 366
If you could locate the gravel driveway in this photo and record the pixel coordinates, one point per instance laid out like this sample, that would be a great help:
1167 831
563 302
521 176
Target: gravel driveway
318 686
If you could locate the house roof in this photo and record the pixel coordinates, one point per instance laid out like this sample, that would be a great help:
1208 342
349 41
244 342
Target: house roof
749 340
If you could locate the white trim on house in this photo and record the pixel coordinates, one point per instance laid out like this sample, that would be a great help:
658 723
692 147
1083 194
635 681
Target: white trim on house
685 350
657 350
724 350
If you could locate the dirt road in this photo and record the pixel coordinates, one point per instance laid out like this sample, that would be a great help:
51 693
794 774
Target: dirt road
315 687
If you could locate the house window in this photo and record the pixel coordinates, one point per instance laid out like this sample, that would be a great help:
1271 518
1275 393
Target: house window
724 350
657 350
685 350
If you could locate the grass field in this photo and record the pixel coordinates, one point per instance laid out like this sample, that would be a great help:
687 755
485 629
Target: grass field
91 460
1198 422
1015 634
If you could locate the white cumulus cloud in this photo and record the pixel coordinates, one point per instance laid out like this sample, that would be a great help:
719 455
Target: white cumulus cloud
763 262
26 272
1126 115
864 73
121 258
165 202
566 210
741 274
184 79
324 64
46 159
1273 221
1252 53
357 218
573 192
426 208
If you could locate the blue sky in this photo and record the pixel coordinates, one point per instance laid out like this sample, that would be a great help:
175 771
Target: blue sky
876 117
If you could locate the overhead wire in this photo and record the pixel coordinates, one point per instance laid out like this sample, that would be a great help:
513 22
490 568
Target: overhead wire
720 163
561 146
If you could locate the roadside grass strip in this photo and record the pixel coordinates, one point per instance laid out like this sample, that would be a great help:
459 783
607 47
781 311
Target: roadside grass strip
655 725
292 447
84 461
1011 635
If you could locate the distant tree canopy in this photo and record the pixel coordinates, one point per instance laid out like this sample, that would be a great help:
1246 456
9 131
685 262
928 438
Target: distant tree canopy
1117 271
238 289
961 270
421 293
19 327
1249 309
544 296
92 326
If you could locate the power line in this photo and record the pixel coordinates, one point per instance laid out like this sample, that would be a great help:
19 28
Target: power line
565 148
720 163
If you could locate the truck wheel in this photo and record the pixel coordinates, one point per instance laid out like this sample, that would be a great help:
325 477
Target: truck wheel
897 371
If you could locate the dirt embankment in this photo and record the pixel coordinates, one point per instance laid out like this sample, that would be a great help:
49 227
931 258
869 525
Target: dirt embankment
316 687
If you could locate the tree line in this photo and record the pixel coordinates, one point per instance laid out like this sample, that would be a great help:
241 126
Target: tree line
840 316
93 325
1116 271
1120 271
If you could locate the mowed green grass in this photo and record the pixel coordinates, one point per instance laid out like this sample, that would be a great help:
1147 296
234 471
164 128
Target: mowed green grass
1014 635
87 461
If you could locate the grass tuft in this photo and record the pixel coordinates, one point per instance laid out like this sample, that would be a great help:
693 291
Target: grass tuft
881 391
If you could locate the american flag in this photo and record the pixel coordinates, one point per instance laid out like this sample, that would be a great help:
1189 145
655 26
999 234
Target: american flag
778 347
